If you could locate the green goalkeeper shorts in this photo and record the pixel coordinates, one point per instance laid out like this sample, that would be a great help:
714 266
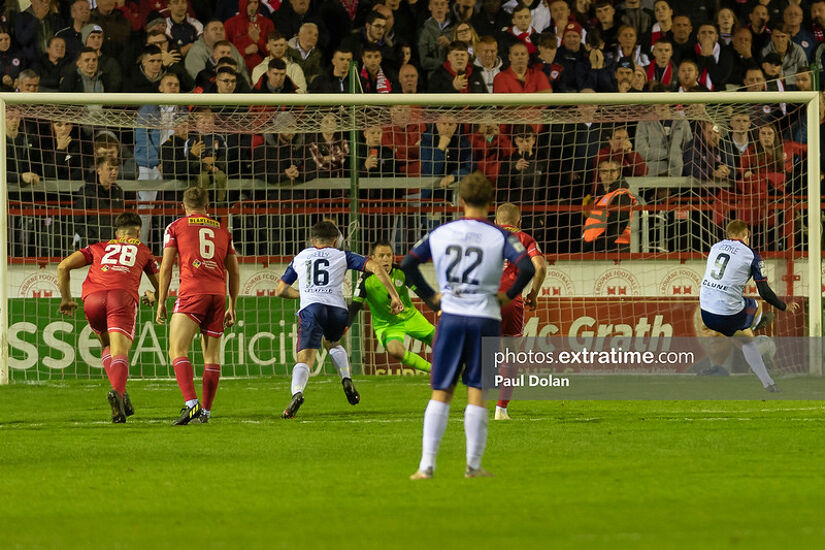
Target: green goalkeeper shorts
417 327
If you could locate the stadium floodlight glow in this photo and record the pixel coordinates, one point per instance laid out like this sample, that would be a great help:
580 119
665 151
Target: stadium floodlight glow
585 295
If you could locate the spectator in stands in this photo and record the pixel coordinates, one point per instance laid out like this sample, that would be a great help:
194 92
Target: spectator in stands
804 82
27 81
11 61
93 37
275 80
521 30
559 12
86 76
207 153
404 137
226 9
769 162
335 79
33 28
328 150
146 75
792 55
704 158
148 139
520 180
80 13
738 142
464 32
434 36
129 55
181 28
580 141
375 76
684 45
727 24
378 159
629 46
276 46
660 141
607 24
21 166
487 63
607 227
457 75
174 159
101 193
462 11
772 69
519 77
688 75
284 156
662 29
619 79
547 48
116 28
172 59
405 20
818 20
713 61
637 17
372 34
294 13
662 69
221 54
742 52
408 79
303 51
619 148
758 18
792 19
201 50
574 61
248 32
490 149
62 153
490 18
51 64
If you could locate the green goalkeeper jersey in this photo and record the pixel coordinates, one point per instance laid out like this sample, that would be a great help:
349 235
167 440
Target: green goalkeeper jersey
378 299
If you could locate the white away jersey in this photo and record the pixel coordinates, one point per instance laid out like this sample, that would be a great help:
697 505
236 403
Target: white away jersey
731 263
468 255
320 274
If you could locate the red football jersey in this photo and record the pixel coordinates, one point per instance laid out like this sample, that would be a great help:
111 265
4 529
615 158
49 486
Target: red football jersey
203 246
117 264
508 277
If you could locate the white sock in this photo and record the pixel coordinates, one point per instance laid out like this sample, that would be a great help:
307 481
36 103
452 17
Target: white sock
191 403
475 429
339 358
754 359
300 375
205 412
501 409
756 320
435 422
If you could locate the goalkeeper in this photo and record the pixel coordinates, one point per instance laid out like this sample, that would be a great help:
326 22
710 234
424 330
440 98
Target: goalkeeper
390 329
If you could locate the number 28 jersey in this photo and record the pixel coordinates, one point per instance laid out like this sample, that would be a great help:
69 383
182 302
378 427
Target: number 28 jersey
731 263
203 246
117 265
320 274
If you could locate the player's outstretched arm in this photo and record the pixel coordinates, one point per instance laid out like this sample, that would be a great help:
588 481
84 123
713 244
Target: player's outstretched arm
285 290
409 265
169 255
538 279
396 306
74 261
767 294
234 272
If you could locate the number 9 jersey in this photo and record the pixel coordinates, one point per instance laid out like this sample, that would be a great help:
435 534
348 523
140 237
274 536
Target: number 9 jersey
203 246
731 263
117 265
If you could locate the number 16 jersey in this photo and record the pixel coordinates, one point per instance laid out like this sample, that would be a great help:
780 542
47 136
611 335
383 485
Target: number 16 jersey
731 263
320 273
203 246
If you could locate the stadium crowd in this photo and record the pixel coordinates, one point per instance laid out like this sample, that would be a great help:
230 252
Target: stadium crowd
407 47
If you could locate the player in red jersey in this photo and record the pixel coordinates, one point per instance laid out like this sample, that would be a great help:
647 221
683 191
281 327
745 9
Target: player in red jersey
206 255
512 315
110 299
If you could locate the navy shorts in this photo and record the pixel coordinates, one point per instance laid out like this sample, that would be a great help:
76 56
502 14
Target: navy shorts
320 320
729 324
457 344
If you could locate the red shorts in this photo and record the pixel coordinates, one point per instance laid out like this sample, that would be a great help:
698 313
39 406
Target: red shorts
207 310
111 310
512 318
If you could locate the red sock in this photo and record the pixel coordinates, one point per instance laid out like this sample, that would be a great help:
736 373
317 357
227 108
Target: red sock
506 392
211 375
119 369
106 357
185 375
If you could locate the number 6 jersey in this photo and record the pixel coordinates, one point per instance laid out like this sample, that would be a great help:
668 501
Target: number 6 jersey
203 246
117 265
320 274
730 264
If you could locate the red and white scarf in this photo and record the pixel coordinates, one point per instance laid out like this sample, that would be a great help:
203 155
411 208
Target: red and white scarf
667 73
704 77
382 83
656 33
524 38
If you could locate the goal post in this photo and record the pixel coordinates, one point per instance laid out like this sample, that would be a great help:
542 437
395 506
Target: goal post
590 292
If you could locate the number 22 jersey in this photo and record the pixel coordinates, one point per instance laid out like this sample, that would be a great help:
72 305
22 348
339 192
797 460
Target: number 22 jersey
203 246
117 265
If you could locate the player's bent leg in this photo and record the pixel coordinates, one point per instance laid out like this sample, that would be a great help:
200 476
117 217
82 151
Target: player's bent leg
338 356
397 350
475 431
744 340
300 377
182 329
211 373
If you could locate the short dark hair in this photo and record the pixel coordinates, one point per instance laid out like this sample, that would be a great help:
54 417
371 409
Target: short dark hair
371 48
456 45
106 159
227 61
324 231
273 35
277 64
150 50
379 242
195 197
227 70
127 219
86 49
522 130
373 15
476 190
521 6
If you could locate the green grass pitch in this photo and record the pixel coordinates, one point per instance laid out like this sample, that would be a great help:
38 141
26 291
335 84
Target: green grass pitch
572 474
